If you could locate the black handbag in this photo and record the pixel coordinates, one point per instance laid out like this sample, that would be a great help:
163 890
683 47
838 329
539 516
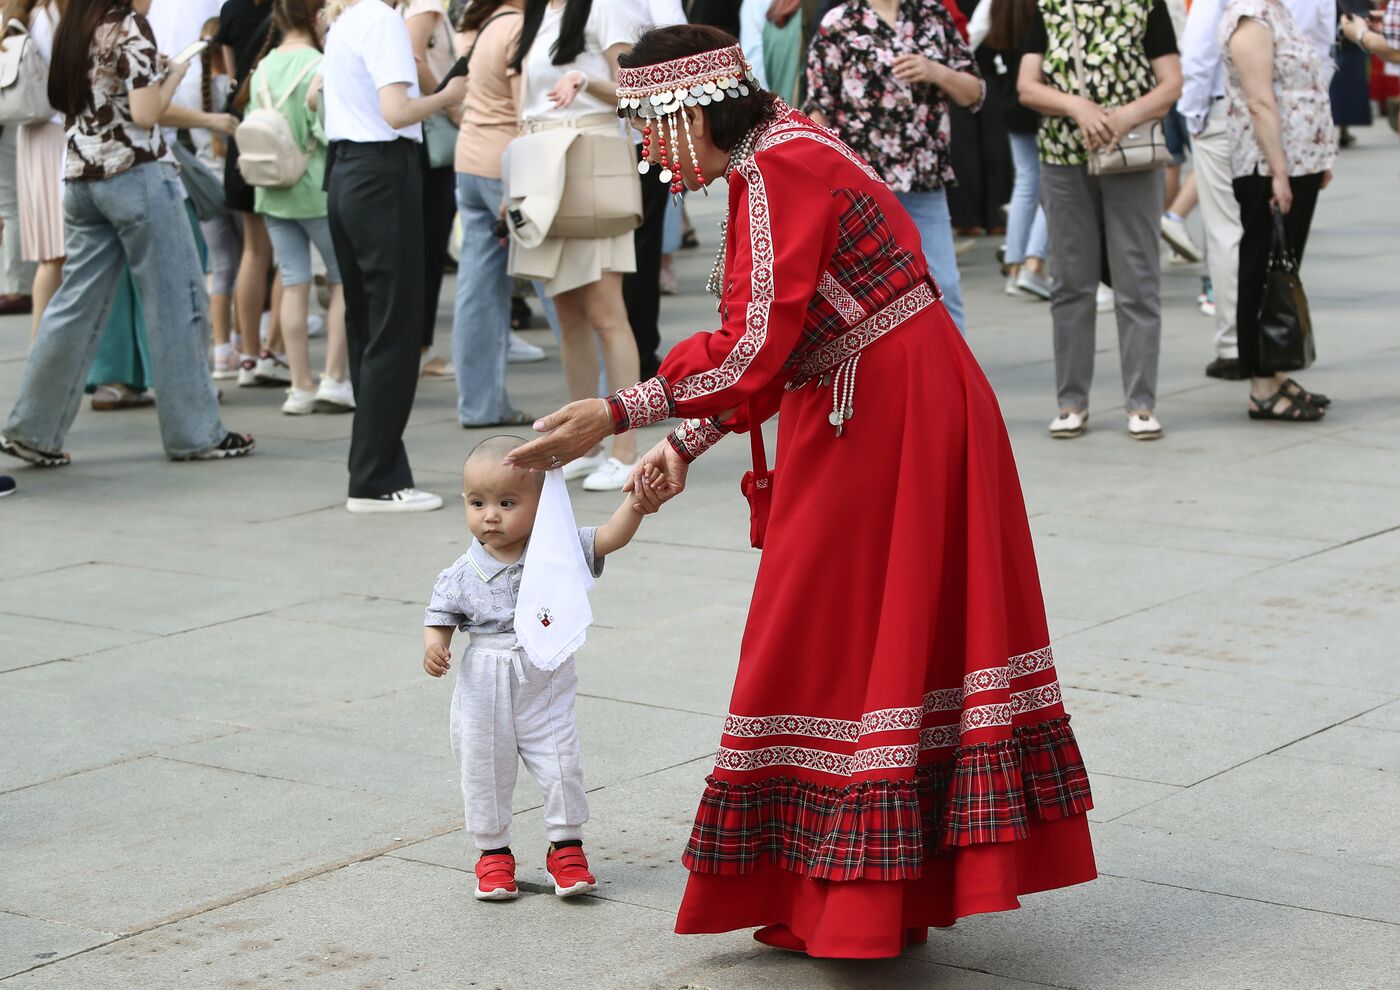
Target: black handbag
1285 325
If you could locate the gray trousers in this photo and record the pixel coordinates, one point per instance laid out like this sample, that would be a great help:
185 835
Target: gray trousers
16 275
1086 213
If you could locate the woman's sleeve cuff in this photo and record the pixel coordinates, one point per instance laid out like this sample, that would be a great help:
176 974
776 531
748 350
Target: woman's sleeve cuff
695 436
642 404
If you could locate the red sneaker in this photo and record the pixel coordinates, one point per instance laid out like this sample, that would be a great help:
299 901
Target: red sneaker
495 878
569 868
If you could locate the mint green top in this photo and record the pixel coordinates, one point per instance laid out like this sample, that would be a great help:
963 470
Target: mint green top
276 73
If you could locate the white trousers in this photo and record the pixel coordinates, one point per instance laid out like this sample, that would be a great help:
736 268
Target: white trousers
498 719
1221 214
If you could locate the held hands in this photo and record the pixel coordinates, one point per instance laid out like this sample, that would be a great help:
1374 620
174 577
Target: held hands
914 68
1095 124
645 498
568 87
437 659
661 471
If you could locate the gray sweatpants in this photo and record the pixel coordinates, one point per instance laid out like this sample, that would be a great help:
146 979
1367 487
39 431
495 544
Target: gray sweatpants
505 710
1085 212
16 274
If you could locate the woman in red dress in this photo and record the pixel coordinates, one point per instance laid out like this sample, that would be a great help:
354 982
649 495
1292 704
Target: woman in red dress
896 755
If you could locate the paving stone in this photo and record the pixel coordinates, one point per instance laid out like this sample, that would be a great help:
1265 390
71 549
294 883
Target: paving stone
28 942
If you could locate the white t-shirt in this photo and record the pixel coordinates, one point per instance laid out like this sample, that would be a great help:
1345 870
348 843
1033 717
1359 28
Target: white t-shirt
177 24
610 22
367 49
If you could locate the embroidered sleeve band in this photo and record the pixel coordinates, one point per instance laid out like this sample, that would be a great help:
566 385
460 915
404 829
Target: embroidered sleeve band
695 436
642 404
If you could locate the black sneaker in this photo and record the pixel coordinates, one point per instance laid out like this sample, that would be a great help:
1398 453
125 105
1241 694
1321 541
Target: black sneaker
1226 368
7 485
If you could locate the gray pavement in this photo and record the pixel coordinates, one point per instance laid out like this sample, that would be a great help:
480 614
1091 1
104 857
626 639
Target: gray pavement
222 765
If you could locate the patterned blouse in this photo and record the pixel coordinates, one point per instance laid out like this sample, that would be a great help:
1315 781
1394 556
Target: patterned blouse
103 140
901 129
1304 107
1120 39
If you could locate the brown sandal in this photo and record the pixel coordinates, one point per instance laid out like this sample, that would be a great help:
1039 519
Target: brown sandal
1298 411
1293 390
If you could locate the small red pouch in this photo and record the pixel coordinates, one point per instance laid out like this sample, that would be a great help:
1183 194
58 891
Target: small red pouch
757 486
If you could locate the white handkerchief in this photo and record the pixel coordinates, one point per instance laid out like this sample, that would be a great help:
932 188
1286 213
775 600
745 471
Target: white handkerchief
552 614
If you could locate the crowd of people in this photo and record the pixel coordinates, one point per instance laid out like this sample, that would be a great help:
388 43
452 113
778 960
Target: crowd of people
198 172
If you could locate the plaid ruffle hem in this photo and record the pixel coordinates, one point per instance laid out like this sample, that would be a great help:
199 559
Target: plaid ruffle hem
884 829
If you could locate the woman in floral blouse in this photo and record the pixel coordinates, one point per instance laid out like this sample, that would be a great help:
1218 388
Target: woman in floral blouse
1132 74
124 204
880 73
1282 147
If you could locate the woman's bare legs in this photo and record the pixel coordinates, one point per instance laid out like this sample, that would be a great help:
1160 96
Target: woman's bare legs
47 278
588 316
250 294
296 303
337 354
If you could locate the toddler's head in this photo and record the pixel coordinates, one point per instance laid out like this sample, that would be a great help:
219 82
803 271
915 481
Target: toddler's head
501 502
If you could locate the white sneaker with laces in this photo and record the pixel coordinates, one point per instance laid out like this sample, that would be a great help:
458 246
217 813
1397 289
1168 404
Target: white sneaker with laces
299 403
334 396
522 351
1011 289
1069 425
315 325
403 500
608 478
271 369
582 467
1033 283
1176 235
1142 425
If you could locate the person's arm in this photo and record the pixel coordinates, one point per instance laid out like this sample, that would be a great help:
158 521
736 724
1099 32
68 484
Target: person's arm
574 82
1370 42
954 71
149 103
824 64
1200 62
618 531
179 115
401 110
420 33
1252 51
1035 94
1153 104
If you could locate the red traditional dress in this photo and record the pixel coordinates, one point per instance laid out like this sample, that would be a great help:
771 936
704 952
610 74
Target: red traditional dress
896 754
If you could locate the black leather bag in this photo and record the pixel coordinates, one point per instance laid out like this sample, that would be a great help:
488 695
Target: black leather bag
1285 325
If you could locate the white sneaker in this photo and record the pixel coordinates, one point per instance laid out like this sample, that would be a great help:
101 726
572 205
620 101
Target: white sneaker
582 467
315 325
522 351
334 396
403 500
1033 283
1069 425
1142 425
1176 235
271 369
226 364
608 478
248 372
1011 289
1207 307
299 403
1103 299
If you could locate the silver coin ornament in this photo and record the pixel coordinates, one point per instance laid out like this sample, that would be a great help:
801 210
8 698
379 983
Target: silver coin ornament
666 175
643 168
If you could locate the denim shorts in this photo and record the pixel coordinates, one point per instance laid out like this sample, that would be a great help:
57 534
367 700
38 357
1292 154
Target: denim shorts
291 245
1177 137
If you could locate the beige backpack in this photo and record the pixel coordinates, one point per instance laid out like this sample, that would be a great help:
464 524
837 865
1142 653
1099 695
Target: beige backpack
269 156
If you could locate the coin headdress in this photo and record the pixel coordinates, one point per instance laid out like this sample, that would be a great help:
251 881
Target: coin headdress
659 93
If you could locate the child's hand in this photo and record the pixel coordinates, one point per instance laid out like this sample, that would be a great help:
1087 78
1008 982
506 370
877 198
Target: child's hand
437 660
645 497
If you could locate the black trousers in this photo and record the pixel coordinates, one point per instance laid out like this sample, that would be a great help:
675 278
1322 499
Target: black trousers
641 291
439 211
1253 193
981 153
376 216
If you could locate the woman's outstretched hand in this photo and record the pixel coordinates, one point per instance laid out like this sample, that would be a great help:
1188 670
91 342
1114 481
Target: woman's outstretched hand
660 469
572 432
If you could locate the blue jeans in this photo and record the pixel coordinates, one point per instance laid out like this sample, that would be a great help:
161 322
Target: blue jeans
291 246
137 217
481 319
1026 233
929 211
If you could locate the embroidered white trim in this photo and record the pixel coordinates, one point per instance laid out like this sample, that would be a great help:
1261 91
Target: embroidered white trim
837 764
783 135
851 343
845 303
940 737
1033 662
646 403
1037 698
794 725
761 296
697 435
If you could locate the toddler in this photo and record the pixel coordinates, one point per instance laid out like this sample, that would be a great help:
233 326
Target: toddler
504 709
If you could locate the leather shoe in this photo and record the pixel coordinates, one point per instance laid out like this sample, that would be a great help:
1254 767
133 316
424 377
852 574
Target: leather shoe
1226 368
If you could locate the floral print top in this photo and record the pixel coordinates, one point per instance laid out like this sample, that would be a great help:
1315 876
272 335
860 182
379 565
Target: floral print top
1120 39
1304 107
103 140
900 129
